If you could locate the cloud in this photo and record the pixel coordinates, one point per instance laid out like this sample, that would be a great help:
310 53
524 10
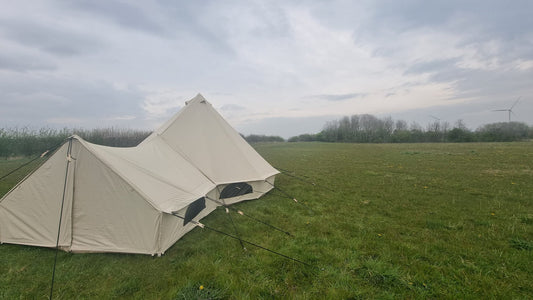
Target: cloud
52 39
524 65
40 100
339 97
232 107
136 63
23 63
158 104
65 121
431 66
122 13
122 118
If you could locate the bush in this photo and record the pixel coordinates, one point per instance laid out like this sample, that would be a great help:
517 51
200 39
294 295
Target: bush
503 132
370 129
254 138
26 142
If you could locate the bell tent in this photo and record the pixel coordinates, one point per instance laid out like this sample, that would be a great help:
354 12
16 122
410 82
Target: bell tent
93 198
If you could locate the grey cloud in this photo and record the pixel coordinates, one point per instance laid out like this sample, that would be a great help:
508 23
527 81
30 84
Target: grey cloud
177 20
477 83
191 45
122 13
274 21
232 107
504 18
24 64
405 15
474 21
485 81
498 31
56 41
489 84
201 21
215 24
431 66
37 100
339 97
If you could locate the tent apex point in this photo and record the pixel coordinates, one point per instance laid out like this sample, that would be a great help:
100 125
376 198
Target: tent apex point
197 98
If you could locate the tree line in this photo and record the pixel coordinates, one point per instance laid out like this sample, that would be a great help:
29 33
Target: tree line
28 142
256 138
371 129
354 129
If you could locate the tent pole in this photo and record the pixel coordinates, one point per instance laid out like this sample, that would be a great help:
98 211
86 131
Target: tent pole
69 151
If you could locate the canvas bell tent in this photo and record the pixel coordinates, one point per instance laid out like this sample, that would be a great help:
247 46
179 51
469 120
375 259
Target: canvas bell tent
93 198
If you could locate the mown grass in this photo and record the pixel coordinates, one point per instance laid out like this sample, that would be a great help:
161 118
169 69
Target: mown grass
384 221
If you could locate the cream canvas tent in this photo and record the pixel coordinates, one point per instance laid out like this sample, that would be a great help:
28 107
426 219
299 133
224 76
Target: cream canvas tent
123 199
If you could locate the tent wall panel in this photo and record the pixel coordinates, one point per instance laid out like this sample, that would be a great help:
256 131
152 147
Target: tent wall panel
109 215
29 213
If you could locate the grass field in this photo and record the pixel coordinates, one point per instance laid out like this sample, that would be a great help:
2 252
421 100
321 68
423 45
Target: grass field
385 221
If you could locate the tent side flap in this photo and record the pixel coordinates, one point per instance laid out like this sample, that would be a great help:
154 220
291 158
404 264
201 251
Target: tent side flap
172 228
30 212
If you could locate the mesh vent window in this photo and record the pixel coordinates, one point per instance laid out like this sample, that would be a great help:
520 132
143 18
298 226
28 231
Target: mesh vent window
193 210
236 189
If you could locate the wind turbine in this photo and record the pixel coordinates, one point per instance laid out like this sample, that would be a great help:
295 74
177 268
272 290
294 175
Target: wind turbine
510 110
437 120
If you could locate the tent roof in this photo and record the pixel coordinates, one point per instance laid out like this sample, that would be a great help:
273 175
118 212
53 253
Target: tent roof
154 170
200 134
185 158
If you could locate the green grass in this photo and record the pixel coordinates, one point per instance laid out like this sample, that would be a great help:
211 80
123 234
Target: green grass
424 221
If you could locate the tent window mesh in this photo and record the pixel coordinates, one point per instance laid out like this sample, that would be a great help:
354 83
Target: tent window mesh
193 210
236 189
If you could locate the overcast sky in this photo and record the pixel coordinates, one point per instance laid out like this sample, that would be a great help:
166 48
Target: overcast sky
269 67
